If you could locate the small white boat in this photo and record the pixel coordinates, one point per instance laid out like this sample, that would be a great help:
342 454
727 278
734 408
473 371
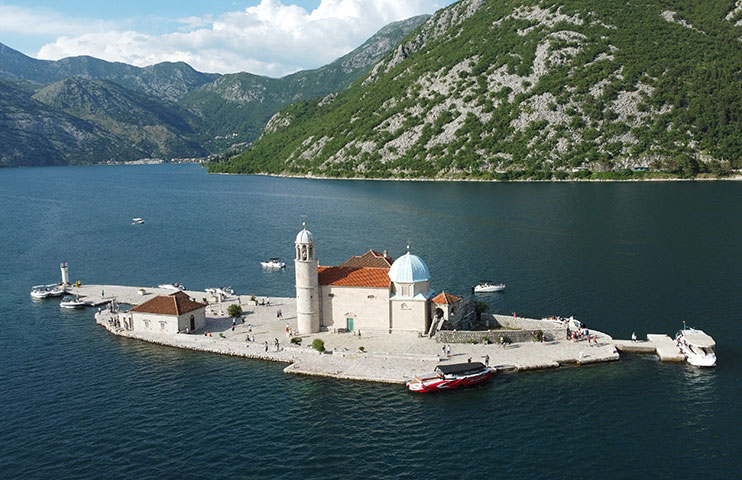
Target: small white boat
56 291
697 346
487 287
177 286
273 263
40 292
72 302
137 221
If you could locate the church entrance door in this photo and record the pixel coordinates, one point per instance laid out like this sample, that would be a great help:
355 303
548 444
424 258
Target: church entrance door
349 324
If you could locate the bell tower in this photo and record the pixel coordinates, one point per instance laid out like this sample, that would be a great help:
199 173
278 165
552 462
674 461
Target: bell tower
307 283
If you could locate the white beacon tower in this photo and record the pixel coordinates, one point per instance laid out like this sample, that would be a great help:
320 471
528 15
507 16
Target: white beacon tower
307 283
65 273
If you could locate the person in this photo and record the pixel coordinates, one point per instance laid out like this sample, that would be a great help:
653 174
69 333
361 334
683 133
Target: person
102 294
633 337
469 360
234 322
569 333
359 333
266 345
486 360
243 320
188 330
233 326
443 349
448 351
275 343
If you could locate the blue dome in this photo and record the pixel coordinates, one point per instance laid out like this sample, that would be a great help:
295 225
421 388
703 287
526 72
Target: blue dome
409 269
305 236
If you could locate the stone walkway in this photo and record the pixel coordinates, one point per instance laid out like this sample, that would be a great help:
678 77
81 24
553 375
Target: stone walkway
392 358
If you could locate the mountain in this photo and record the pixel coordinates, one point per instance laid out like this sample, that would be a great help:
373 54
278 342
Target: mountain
506 89
165 80
238 106
112 111
145 123
32 130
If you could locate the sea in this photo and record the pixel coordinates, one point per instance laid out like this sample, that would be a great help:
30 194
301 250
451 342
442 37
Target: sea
78 402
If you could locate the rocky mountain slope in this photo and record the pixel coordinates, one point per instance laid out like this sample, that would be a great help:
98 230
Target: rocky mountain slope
504 89
90 110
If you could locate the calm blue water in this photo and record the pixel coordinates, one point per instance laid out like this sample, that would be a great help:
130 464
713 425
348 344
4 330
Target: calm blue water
80 403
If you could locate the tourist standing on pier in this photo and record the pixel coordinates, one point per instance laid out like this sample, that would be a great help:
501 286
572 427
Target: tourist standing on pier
448 351
633 337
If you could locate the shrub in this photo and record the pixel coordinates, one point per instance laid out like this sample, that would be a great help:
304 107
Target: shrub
234 310
296 340
539 334
318 345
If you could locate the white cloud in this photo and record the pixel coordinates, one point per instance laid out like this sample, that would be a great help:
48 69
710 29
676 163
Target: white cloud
271 38
46 22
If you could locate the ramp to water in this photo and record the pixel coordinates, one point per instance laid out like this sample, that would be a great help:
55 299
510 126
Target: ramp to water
666 348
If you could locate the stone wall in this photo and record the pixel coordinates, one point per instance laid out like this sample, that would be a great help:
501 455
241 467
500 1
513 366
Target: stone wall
517 329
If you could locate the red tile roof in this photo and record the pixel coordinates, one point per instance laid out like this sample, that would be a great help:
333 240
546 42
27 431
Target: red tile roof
369 259
354 277
176 303
446 298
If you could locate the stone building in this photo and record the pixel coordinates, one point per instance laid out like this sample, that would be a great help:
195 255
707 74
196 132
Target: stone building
369 292
172 313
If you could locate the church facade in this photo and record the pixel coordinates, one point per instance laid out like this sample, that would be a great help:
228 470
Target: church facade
370 292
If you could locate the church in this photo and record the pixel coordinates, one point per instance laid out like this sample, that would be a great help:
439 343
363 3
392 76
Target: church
370 292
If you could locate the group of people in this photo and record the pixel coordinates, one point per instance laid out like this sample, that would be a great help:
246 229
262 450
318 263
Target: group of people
582 334
446 351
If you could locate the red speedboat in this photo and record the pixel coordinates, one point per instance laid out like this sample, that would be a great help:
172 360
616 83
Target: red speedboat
450 377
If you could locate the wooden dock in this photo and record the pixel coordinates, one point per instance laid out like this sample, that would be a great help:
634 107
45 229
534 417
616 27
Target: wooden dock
660 344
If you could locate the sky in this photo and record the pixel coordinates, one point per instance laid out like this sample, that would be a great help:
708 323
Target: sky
265 37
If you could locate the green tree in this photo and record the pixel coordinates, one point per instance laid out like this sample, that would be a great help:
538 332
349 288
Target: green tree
318 345
234 310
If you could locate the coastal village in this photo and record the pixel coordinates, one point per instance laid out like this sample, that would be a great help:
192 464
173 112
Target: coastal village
371 318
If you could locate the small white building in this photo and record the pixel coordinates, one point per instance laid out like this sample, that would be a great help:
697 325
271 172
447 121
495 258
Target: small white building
172 313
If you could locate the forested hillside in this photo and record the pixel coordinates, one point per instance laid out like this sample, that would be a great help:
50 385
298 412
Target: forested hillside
85 110
506 89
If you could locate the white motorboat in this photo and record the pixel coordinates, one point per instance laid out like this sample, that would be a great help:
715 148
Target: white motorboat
487 287
137 221
697 346
177 286
72 302
273 263
56 290
40 292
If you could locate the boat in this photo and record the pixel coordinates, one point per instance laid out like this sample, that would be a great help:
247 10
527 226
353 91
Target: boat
273 263
487 287
72 302
177 286
56 290
451 377
137 221
40 292
697 346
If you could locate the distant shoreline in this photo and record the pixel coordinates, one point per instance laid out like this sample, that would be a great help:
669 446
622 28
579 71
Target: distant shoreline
737 177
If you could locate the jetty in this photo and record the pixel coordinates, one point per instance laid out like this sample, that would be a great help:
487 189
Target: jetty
660 344
372 356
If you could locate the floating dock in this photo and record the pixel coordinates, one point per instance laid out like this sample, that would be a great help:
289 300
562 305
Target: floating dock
660 344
